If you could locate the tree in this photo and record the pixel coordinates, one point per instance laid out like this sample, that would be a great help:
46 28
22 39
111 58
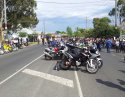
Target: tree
1 7
79 32
22 34
60 32
89 33
120 9
69 31
102 28
21 12
63 32
1 13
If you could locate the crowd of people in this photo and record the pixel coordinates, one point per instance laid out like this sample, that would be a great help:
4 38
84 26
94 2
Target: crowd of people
7 46
98 43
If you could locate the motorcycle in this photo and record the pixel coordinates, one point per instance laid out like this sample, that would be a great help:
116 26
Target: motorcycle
54 52
50 53
79 57
95 52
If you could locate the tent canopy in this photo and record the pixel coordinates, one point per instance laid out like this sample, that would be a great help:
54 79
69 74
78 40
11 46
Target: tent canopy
14 35
28 31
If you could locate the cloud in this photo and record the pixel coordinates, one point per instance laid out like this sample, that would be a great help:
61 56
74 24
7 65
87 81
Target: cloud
59 16
86 8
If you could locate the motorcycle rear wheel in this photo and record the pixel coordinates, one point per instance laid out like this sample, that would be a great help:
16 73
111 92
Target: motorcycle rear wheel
47 57
64 66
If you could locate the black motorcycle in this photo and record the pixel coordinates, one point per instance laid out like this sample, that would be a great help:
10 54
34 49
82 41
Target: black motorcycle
79 57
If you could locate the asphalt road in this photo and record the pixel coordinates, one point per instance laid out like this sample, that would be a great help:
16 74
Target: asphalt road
25 73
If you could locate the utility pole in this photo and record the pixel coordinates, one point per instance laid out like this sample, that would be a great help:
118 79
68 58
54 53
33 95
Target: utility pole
116 14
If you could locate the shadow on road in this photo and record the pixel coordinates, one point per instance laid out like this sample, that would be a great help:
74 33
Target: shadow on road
122 61
122 71
121 81
110 84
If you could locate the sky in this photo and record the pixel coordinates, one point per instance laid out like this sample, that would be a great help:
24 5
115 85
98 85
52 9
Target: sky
57 15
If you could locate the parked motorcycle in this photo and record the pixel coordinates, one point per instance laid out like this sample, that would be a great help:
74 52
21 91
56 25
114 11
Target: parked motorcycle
79 57
95 52
50 53
54 52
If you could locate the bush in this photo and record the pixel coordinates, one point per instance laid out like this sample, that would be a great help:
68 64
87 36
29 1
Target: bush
32 37
22 34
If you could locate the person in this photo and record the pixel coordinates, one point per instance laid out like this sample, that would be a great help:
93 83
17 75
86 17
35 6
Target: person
27 40
38 38
21 41
15 41
108 45
53 43
48 39
94 46
18 42
117 46
43 41
98 45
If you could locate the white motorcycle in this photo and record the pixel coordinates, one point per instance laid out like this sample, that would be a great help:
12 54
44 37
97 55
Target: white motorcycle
95 52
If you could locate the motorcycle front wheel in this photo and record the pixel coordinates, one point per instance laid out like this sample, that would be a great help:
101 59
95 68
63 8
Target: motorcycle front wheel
92 67
100 62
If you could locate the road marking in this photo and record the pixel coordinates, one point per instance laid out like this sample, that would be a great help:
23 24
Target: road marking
113 55
49 77
19 70
78 85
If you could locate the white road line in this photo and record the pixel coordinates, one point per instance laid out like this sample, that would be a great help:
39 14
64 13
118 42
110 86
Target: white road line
19 70
113 55
78 85
49 77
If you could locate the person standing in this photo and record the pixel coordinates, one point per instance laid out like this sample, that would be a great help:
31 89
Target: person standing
98 45
117 46
27 40
48 40
43 41
38 39
108 45
21 40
